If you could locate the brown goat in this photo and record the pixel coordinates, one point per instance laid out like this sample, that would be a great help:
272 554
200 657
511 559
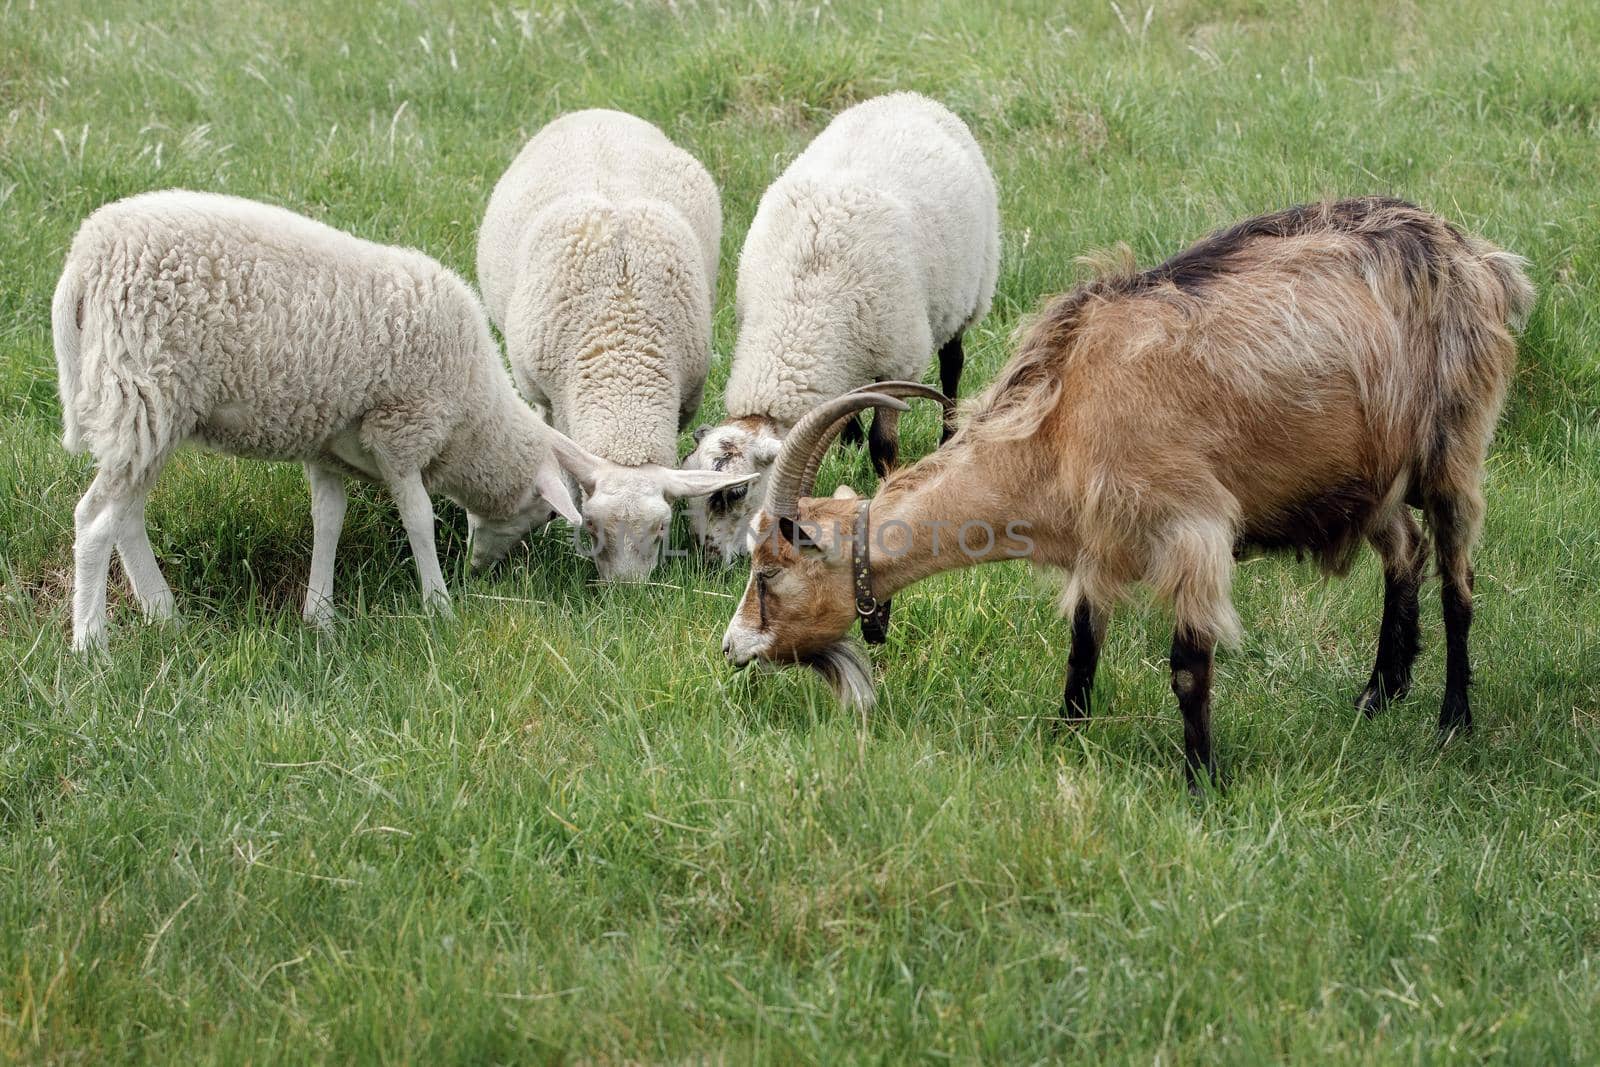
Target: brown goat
1293 383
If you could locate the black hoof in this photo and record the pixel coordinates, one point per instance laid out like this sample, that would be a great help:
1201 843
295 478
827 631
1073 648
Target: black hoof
1378 695
1203 782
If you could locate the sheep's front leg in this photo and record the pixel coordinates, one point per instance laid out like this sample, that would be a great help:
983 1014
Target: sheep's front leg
1191 684
883 441
416 513
951 360
328 503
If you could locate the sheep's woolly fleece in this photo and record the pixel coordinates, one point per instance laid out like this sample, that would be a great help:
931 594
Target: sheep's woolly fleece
264 333
598 258
876 246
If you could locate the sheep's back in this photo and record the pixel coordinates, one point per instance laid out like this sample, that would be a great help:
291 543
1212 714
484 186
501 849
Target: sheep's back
259 331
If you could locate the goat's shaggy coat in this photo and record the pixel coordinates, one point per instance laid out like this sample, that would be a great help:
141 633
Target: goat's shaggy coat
1291 383
598 260
878 246
257 332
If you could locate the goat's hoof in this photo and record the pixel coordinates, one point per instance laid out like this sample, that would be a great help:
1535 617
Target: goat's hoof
1379 694
1204 783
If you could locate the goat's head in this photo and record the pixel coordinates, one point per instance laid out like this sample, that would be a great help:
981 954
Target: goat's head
627 511
721 520
800 600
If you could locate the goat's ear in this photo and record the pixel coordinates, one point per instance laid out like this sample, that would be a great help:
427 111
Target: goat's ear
844 492
552 485
800 537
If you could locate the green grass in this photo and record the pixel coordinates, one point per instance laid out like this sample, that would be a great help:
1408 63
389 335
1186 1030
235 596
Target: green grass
557 829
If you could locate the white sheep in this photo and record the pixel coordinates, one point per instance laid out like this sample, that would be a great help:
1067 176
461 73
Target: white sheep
878 245
598 261
257 332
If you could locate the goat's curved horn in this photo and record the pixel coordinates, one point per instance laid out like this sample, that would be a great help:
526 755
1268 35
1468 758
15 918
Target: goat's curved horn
899 389
811 435
795 473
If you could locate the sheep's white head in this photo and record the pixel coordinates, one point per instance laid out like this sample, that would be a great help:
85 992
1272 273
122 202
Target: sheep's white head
492 536
627 511
721 520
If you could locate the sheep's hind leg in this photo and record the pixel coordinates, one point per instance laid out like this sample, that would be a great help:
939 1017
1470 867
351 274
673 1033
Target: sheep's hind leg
95 530
1088 632
883 440
951 361
328 502
1401 547
139 559
1191 684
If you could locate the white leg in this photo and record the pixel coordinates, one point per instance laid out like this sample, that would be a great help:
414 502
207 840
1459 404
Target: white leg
95 524
327 521
139 560
416 513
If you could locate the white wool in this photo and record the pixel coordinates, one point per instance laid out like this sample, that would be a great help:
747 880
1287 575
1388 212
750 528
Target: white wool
598 260
877 245
185 316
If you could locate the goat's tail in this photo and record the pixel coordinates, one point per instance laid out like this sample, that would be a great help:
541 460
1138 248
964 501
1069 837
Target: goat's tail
66 324
1511 274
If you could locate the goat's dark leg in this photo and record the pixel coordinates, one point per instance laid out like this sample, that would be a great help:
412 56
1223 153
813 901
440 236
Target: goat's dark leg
951 360
1088 631
1401 547
1191 684
853 434
1453 520
883 440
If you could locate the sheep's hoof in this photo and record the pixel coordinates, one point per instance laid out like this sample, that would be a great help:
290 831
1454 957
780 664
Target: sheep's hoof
162 609
89 641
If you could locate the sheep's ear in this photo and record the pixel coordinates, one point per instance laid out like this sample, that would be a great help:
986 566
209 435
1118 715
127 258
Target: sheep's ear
576 460
700 433
553 487
764 451
681 483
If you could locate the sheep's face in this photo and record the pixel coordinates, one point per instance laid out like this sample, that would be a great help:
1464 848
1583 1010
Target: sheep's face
492 536
722 520
626 518
491 539
799 602
627 512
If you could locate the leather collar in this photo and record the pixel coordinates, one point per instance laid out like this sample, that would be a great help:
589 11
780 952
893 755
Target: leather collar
874 614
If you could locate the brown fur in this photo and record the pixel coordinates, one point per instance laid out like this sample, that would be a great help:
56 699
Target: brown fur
1284 384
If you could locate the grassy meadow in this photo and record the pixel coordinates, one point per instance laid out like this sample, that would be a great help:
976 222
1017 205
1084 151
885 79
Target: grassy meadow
558 829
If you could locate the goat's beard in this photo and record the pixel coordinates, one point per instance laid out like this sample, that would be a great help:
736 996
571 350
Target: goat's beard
847 672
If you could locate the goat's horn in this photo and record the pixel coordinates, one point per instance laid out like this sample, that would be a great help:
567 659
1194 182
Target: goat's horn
899 389
811 435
